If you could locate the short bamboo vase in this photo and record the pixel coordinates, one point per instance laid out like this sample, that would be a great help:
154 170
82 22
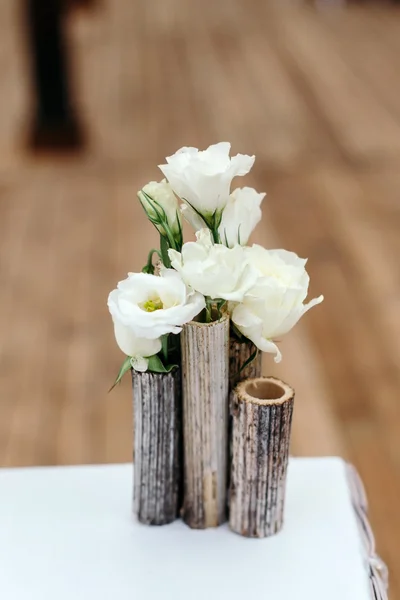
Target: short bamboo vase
261 411
157 446
205 390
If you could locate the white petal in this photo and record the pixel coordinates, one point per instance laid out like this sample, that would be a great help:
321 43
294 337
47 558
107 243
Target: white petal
220 148
171 275
204 238
251 327
275 350
125 339
203 178
270 347
178 182
245 318
241 164
248 195
312 303
175 258
289 258
294 316
139 363
240 216
182 154
131 344
179 315
192 217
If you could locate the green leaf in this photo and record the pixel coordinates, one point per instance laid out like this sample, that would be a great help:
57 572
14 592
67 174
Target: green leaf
156 365
126 366
249 360
164 246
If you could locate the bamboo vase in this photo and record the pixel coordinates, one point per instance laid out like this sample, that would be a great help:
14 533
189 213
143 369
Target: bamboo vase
205 389
261 411
239 353
158 446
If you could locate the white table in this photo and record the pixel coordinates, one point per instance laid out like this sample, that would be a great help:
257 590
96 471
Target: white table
67 533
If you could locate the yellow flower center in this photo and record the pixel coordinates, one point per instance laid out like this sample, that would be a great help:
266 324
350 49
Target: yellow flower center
152 305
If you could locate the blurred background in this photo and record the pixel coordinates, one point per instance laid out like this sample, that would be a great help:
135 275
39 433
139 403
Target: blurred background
94 95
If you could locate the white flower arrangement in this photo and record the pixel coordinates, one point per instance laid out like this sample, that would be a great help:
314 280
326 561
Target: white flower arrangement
263 290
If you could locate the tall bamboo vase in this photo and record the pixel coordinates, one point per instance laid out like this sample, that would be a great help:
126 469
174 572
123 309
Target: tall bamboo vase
205 390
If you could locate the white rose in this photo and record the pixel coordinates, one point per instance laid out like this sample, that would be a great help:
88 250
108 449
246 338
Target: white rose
145 307
163 202
213 269
240 216
276 302
203 178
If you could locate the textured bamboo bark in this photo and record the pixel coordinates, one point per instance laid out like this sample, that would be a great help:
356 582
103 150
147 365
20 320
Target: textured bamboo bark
205 374
262 411
239 353
158 446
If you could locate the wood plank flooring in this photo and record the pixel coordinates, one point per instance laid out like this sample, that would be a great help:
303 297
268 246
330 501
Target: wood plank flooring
316 96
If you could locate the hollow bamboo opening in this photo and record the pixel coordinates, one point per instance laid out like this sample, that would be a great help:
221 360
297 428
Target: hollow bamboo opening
264 390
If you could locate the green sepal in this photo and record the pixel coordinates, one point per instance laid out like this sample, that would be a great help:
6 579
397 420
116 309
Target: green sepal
126 366
226 239
156 365
239 234
179 237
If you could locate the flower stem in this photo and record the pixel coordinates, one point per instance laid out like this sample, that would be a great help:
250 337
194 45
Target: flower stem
215 235
220 306
208 310
164 252
149 267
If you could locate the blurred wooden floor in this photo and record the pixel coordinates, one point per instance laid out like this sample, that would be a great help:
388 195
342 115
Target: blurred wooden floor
317 98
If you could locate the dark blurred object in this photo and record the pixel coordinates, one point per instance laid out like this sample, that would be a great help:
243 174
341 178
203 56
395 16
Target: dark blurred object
55 123
81 3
